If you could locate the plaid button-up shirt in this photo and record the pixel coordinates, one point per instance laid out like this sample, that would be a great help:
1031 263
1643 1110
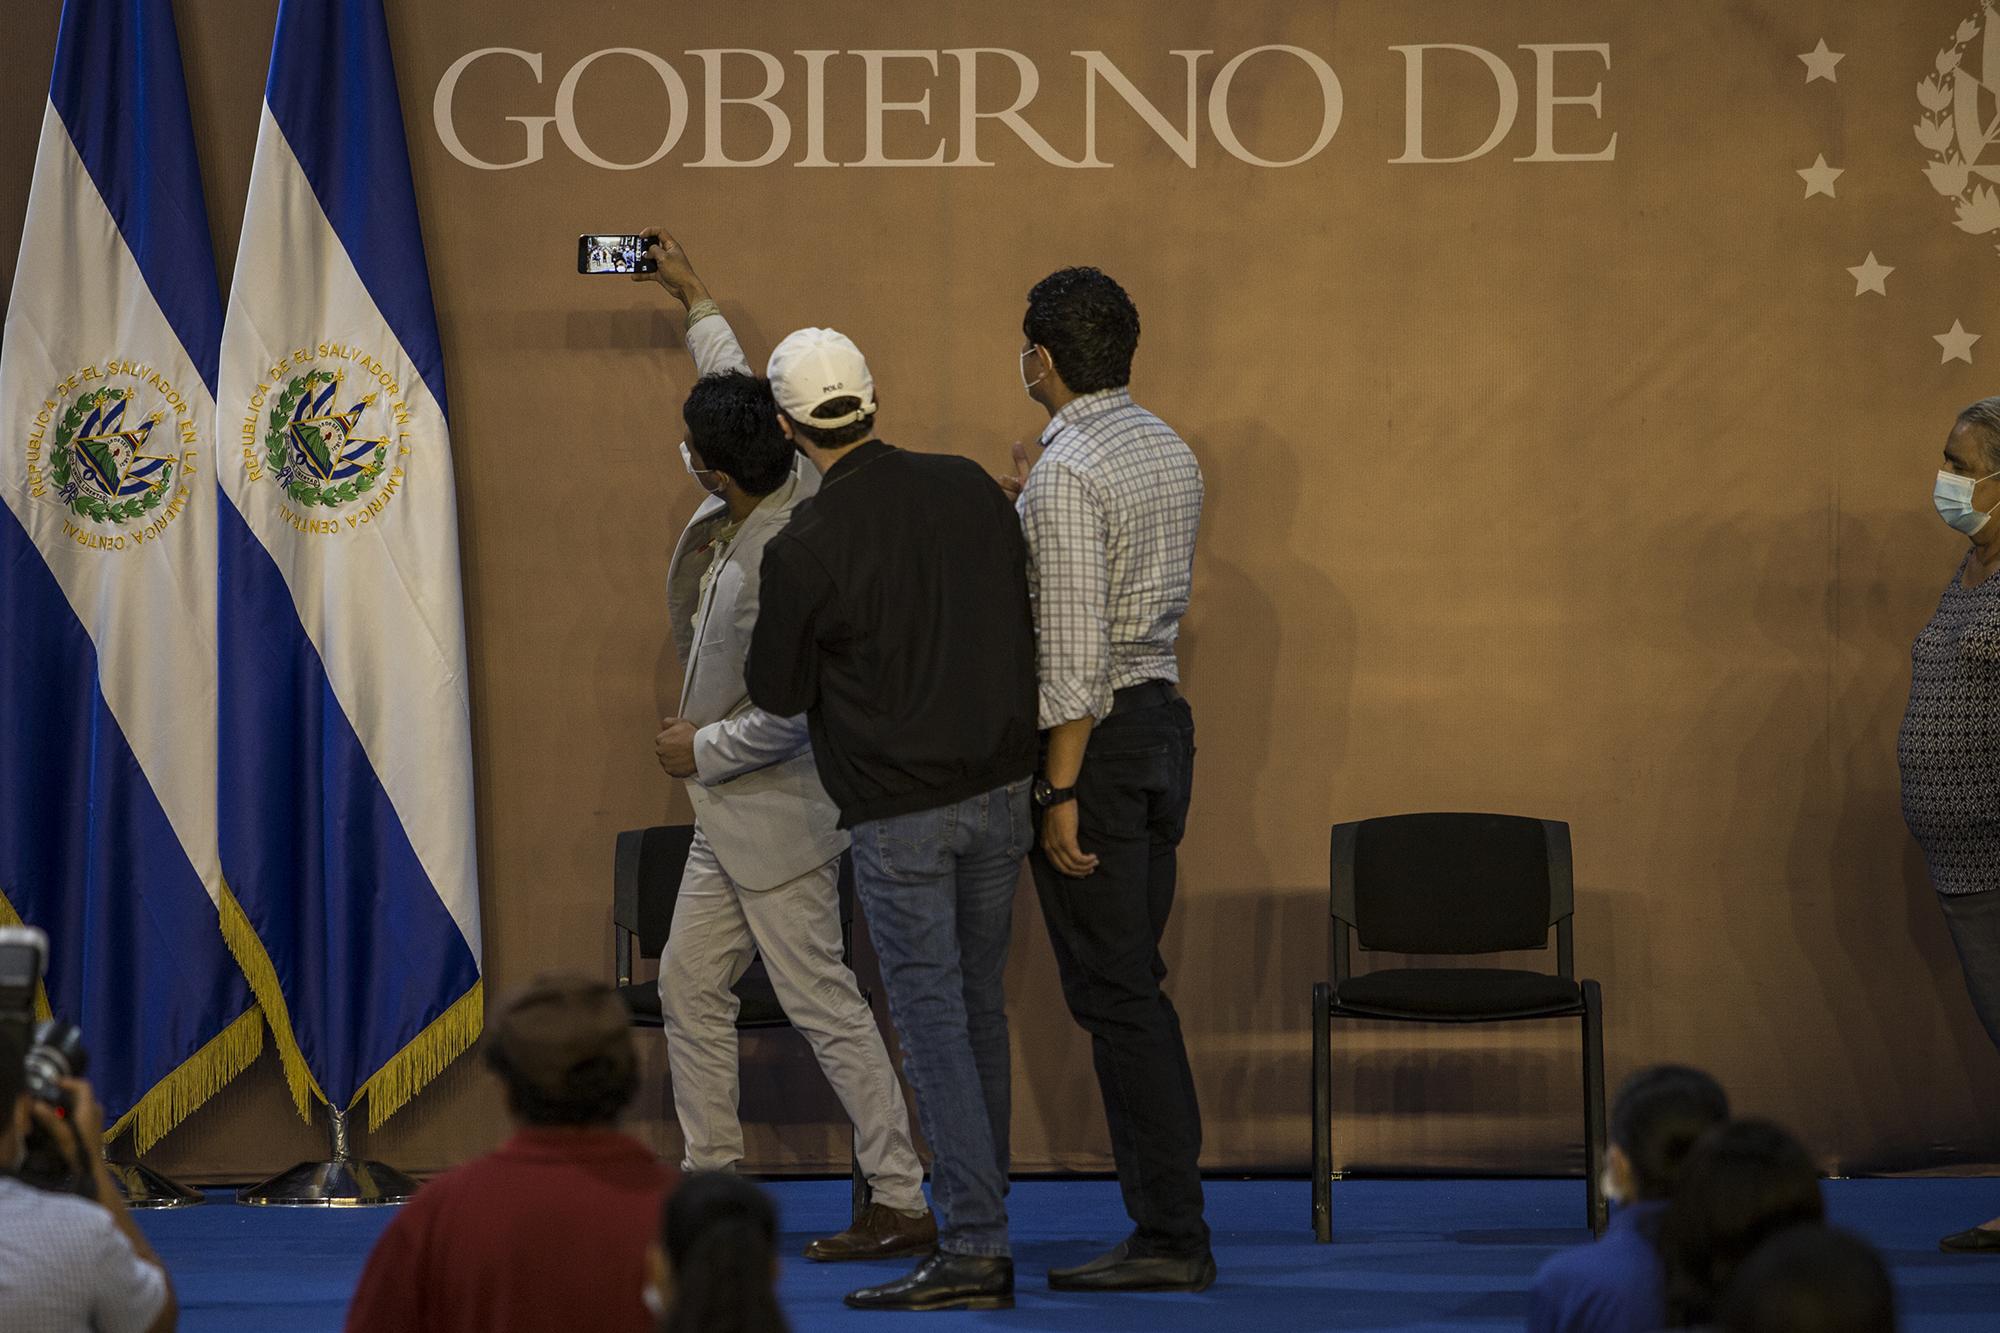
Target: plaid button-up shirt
1110 512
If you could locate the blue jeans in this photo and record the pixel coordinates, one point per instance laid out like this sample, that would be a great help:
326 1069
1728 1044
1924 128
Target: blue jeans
937 890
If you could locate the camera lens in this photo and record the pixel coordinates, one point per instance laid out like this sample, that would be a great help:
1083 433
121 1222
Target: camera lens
57 1054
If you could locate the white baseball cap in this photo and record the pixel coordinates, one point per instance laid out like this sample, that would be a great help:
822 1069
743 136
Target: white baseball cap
815 366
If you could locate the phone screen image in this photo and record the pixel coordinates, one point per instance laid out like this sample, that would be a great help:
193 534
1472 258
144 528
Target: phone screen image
612 254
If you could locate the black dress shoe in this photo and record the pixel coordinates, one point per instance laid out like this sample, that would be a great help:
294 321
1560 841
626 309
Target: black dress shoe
1979 1240
1121 1270
945 1282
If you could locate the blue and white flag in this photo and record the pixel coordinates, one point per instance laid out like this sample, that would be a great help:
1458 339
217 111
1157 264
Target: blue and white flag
347 834
107 577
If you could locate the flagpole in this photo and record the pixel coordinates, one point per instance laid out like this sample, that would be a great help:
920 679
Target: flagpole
144 1187
340 1180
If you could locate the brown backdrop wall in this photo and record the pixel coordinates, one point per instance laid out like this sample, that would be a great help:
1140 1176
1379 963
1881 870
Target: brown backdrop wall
1583 489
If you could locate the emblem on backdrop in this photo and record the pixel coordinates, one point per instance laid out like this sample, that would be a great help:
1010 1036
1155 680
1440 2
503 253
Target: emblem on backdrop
1961 121
1954 127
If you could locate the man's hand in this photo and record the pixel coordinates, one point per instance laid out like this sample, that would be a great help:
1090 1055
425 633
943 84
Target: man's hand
1017 482
80 1134
63 1132
1059 842
675 747
675 273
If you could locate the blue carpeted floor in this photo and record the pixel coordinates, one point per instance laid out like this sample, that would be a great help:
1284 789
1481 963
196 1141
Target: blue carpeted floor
1409 1255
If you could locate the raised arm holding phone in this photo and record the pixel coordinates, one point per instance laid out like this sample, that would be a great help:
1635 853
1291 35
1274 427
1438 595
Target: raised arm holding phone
763 871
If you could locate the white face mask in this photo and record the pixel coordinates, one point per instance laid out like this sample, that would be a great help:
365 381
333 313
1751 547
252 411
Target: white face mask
1953 497
656 1304
1026 383
705 477
1607 1181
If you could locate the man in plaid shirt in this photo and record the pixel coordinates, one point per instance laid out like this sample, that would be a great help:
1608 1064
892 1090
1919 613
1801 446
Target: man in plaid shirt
1110 512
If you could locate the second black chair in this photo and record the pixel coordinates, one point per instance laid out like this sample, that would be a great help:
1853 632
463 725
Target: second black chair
1452 884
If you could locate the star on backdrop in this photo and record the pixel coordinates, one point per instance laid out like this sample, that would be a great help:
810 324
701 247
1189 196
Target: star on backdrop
1820 63
1957 344
1870 275
1819 177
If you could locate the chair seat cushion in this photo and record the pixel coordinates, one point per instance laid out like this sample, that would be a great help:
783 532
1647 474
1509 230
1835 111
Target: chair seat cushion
643 999
759 1003
1464 994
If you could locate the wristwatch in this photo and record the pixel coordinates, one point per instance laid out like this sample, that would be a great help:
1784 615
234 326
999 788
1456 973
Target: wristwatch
1046 796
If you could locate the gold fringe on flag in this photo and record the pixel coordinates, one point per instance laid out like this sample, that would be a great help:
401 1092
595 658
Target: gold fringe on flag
426 1055
391 1086
10 917
193 1081
241 937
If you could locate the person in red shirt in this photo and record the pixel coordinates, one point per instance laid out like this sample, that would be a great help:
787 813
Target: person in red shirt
551 1229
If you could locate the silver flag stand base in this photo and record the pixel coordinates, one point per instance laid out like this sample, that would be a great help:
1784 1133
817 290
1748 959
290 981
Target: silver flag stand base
342 1181
147 1188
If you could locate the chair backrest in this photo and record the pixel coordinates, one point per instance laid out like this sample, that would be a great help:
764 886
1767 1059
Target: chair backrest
646 883
1452 883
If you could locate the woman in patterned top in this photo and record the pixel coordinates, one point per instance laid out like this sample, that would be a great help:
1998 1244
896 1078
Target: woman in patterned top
1949 749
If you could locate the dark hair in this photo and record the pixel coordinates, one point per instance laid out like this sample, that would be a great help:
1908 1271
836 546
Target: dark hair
836 437
14 1041
1089 325
1743 1183
720 1233
1811 1279
594 1090
732 423
1658 1115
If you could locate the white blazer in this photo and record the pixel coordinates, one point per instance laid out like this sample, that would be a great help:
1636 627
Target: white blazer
756 793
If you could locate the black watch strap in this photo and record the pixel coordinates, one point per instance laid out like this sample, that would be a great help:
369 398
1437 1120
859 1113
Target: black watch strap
1046 796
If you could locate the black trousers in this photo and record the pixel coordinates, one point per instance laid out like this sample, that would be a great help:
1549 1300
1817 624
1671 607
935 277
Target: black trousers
1132 800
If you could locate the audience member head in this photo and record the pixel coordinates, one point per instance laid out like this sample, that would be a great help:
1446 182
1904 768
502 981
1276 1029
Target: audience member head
1982 422
1811 1279
1656 1118
732 423
1082 328
824 390
1743 1183
562 1046
715 1267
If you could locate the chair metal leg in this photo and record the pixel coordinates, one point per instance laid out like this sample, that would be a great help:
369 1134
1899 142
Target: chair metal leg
861 1197
1593 1105
1322 1113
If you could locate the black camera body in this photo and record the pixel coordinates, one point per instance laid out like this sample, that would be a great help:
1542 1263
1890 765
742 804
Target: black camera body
24 952
55 1053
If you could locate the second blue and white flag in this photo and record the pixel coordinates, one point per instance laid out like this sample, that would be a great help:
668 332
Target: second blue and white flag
346 766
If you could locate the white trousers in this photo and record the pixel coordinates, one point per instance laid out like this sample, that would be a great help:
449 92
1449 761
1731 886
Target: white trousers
796 929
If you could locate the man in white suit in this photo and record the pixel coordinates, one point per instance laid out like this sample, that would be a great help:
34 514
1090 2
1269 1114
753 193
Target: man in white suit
764 867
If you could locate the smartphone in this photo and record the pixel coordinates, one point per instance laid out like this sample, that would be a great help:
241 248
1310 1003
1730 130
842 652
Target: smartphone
613 254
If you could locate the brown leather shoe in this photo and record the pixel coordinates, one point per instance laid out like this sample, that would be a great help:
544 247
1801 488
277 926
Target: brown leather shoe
879 1233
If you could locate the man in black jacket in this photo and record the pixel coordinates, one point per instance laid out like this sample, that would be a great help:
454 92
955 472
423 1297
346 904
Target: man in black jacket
894 614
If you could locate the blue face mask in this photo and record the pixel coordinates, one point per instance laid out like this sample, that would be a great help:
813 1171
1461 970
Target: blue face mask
1953 497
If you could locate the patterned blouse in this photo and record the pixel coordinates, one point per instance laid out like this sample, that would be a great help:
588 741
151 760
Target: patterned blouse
1949 747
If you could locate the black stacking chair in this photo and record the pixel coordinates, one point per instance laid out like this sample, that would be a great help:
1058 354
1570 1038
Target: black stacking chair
645 883
1453 884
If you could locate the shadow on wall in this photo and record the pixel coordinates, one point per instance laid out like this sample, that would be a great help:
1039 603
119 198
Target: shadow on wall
1245 671
1810 830
1882 927
1263 686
